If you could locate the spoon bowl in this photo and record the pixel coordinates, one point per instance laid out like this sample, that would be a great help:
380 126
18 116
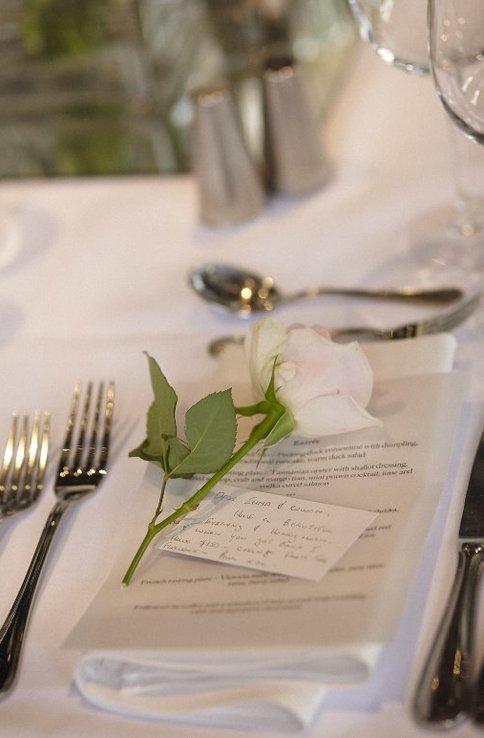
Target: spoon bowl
243 292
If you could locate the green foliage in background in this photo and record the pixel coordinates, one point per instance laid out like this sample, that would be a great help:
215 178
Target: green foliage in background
60 28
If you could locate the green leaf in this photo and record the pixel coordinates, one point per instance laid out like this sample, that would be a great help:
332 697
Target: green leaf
165 399
157 445
154 445
161 444
140 453
177 451
210 427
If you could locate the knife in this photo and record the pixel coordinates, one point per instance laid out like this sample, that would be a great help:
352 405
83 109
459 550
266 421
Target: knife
445 694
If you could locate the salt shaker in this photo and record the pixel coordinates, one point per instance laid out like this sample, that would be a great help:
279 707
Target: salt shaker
230 187
293 145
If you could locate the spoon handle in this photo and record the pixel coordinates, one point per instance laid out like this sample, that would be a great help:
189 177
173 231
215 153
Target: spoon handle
435 296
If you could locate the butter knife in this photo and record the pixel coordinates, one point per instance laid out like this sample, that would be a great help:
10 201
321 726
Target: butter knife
444 695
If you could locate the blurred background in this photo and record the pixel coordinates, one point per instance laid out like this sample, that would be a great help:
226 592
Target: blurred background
100 87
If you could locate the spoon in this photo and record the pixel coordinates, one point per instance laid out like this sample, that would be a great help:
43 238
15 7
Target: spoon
242 292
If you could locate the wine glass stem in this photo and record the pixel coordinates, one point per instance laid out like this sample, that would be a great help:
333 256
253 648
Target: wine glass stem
468 165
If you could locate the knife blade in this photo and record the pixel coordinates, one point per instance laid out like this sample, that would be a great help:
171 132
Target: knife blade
445 695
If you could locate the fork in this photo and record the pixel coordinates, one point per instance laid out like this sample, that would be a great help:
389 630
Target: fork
444 321
82 467
24 463
438 323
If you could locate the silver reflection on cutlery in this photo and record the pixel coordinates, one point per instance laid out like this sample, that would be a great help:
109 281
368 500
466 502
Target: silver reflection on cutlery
444 695
24 463
242 292
82 467
438 323
477 698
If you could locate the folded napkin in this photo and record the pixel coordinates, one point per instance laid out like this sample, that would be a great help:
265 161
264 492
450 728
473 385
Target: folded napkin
209 644
200 692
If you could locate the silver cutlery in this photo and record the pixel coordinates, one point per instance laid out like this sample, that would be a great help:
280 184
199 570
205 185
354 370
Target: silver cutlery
438 323
444 695
243 293
24 463
82 467
477 698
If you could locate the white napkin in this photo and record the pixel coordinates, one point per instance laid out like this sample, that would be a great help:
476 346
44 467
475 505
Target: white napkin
206 693
254 689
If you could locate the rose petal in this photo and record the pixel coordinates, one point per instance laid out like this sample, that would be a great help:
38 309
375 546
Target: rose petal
324 367
264 343
331 415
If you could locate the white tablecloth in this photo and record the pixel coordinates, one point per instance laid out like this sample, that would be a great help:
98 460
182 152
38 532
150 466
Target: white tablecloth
99 275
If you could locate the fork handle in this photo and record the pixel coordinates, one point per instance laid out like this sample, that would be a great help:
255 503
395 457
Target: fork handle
409 330
13 630
355 333
444 693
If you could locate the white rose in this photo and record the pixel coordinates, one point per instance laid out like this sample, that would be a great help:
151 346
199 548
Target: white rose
324 385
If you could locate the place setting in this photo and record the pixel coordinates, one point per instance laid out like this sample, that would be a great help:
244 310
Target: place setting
251 548
364 461
199 594
241 476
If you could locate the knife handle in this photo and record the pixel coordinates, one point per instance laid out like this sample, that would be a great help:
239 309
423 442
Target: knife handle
444 693
477 706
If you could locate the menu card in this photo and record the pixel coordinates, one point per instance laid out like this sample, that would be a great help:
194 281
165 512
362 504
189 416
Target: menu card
200 641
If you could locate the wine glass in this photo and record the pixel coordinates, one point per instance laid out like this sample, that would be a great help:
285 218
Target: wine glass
456 50
397 31
457 59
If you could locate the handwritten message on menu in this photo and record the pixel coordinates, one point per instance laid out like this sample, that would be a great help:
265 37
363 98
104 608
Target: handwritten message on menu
264 531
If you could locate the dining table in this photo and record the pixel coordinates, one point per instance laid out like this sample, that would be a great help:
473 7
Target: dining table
95 273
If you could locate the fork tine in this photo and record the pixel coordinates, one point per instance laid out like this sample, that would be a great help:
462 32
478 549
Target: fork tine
20 456
101 423
80 445
108 422
32 455
34 442
42 454
63 468
8 455
91 458
33 472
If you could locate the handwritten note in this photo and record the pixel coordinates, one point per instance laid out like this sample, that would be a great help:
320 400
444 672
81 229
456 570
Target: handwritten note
272 533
